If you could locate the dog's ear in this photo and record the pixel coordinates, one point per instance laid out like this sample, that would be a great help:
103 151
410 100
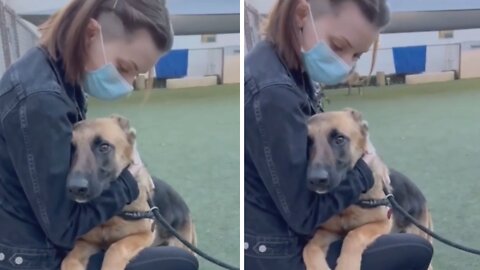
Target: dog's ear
125 125
364 127
122 121
357 116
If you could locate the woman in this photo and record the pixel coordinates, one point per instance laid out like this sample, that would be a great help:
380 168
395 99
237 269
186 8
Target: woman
93 47
318 40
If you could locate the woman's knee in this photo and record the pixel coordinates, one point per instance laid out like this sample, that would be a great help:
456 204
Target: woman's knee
421 250
169 258
416 251
392 251
185 260
404 241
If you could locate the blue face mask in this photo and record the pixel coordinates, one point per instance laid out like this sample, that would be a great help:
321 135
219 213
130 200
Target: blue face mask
106 83
323 64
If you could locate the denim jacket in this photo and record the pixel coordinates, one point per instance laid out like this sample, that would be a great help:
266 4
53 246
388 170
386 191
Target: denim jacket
280 212
38 223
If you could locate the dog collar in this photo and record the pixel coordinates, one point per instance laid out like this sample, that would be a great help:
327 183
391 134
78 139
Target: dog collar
137 215
373 203
134 215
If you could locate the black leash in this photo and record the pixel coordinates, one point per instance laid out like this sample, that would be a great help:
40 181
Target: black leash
169 228
447 242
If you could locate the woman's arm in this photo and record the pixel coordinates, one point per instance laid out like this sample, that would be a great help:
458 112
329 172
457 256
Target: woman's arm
276 138
38 134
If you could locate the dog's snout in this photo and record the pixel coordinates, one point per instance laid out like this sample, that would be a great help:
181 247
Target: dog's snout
78 186
318 177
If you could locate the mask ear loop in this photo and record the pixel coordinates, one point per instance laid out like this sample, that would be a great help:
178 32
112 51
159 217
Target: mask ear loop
103 45
312 20
171 29
172 34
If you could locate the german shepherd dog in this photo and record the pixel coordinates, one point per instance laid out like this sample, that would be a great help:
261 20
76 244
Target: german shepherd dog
337 141
102 149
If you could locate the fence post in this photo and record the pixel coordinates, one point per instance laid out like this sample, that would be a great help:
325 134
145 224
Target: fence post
459 60
223 66
247 26
4 35
16 38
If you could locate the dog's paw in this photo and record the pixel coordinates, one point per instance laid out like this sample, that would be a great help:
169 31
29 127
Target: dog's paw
348 264
70 264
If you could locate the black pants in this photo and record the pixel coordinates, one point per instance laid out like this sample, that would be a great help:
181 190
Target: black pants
391 252
165 258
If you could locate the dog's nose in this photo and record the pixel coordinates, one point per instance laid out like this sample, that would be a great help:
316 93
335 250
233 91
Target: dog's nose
78 186
318 177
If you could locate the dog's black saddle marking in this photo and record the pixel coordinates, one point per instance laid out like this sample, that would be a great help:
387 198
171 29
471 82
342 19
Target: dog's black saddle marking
373 203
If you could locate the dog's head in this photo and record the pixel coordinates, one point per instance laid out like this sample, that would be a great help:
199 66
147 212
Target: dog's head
337 140
102 148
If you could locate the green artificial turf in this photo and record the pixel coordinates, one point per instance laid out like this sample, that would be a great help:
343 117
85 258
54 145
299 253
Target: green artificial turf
190 138
431 133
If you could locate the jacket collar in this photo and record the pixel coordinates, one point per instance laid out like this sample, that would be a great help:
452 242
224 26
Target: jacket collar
73 91
301 79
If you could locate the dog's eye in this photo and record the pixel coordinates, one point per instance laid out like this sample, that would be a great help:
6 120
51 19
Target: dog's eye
105 148
340 140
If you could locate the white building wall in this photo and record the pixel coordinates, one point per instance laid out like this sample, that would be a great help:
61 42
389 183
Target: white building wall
470 60
426 38
207 58
195 42
442 54
32 6
439 58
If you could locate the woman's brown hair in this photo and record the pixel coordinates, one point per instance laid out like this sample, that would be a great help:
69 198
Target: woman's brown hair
282 31
64 34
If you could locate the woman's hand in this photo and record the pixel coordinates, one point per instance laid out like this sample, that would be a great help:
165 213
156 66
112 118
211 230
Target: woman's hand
137 163
137 166
379 169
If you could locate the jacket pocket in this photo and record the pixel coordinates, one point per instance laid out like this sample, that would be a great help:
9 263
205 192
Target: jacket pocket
271 246
28 258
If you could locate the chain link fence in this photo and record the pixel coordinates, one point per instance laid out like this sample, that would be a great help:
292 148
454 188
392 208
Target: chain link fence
253 21
16 37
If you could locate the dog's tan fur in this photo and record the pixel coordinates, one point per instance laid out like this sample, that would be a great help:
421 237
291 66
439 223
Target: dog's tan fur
121 239
360 227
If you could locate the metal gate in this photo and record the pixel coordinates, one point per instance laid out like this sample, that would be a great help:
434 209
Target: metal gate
16 37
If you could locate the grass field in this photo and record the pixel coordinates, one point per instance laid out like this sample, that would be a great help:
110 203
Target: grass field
190 138
430 133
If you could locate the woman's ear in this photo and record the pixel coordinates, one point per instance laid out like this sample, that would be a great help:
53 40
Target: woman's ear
301 13
93 29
